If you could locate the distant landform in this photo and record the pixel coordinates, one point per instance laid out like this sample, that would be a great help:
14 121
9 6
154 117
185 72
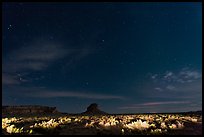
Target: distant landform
28 109
38 110
45 110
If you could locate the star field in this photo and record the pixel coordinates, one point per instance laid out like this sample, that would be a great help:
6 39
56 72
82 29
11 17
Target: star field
127 57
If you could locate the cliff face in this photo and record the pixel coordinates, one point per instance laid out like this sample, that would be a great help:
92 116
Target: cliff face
18 110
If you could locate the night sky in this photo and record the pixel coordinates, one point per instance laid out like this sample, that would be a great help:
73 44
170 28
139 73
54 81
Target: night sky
127 57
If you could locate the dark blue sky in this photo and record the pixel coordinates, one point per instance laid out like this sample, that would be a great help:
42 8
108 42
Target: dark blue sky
127 57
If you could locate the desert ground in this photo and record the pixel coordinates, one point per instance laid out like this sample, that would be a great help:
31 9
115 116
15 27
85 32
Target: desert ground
136 124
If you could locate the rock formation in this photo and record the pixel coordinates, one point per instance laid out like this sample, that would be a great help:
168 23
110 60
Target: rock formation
20 110
93 110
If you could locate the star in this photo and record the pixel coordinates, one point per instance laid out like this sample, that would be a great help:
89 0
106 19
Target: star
10 27
57 59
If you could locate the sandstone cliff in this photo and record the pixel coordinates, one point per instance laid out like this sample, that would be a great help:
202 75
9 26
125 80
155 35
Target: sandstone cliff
19 110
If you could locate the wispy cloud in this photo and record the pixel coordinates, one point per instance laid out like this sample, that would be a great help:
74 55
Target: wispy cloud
190 91
149 104
56 94
168 75
158 89
154 76
33 57
182 94
40 56
185 75
164 103
41 52
8 79
170 87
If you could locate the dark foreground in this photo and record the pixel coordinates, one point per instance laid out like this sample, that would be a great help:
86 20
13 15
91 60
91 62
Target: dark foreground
138 124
